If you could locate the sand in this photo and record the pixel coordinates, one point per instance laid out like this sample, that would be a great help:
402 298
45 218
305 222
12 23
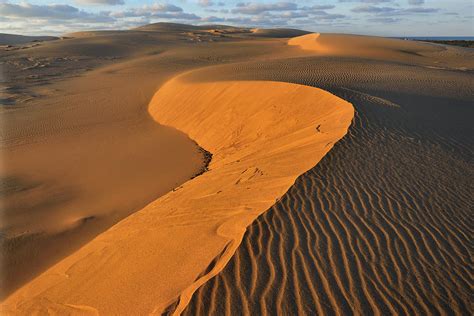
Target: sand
11 39
380 225
79 107
81 157
257 154
382 49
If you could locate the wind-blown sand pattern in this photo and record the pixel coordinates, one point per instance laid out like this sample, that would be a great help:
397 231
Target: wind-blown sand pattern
381 225
260 143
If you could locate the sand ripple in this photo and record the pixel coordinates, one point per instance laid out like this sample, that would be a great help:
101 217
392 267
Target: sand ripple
382 224
261 141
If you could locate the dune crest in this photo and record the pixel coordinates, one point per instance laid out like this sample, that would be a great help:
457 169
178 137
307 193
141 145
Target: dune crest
380 225
373 47
260 141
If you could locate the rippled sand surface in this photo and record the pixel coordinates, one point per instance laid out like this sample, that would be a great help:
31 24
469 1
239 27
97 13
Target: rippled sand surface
260 142
382 224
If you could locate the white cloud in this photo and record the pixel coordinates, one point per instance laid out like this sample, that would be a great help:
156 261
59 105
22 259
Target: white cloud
206 3
416 2
253 8
368 1
24 17
392 10
102 2
52 11
164 11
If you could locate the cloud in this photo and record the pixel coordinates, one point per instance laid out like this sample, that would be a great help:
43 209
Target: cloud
57 18
416 2
384 20
108 2
253 8
367 1
373 9
213 19
165 7
163 11
324 16
206 3
421 10
320 7
392 11
50 12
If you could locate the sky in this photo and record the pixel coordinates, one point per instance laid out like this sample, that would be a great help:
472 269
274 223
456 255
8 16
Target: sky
370 17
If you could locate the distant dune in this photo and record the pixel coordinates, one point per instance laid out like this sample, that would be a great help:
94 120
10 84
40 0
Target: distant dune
378 48
277 33
339 181
12 39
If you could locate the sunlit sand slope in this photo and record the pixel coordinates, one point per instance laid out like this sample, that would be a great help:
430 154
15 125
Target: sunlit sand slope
79 106
262 136
381 48
383 224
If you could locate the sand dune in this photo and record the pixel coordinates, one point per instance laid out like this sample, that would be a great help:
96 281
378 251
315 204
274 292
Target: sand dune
380 48
380 225
257 153
79 106
98 156
277 33
361 46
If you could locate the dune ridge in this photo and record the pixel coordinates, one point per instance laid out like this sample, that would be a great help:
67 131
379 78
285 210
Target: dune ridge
74 104
382 224
390 50
361 46
260 141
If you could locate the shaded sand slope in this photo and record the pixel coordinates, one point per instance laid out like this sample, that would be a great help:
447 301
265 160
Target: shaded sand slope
80 108
277 33
13 39
80 159
261 141
383 224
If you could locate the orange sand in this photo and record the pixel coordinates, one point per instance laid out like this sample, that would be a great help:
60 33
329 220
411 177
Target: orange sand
380 225
261 141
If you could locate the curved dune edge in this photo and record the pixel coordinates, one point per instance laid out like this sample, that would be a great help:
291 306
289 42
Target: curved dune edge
308 42
263 135
362 46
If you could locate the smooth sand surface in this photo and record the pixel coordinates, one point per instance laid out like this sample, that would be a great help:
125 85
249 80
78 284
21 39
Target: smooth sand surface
380 225
81 153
